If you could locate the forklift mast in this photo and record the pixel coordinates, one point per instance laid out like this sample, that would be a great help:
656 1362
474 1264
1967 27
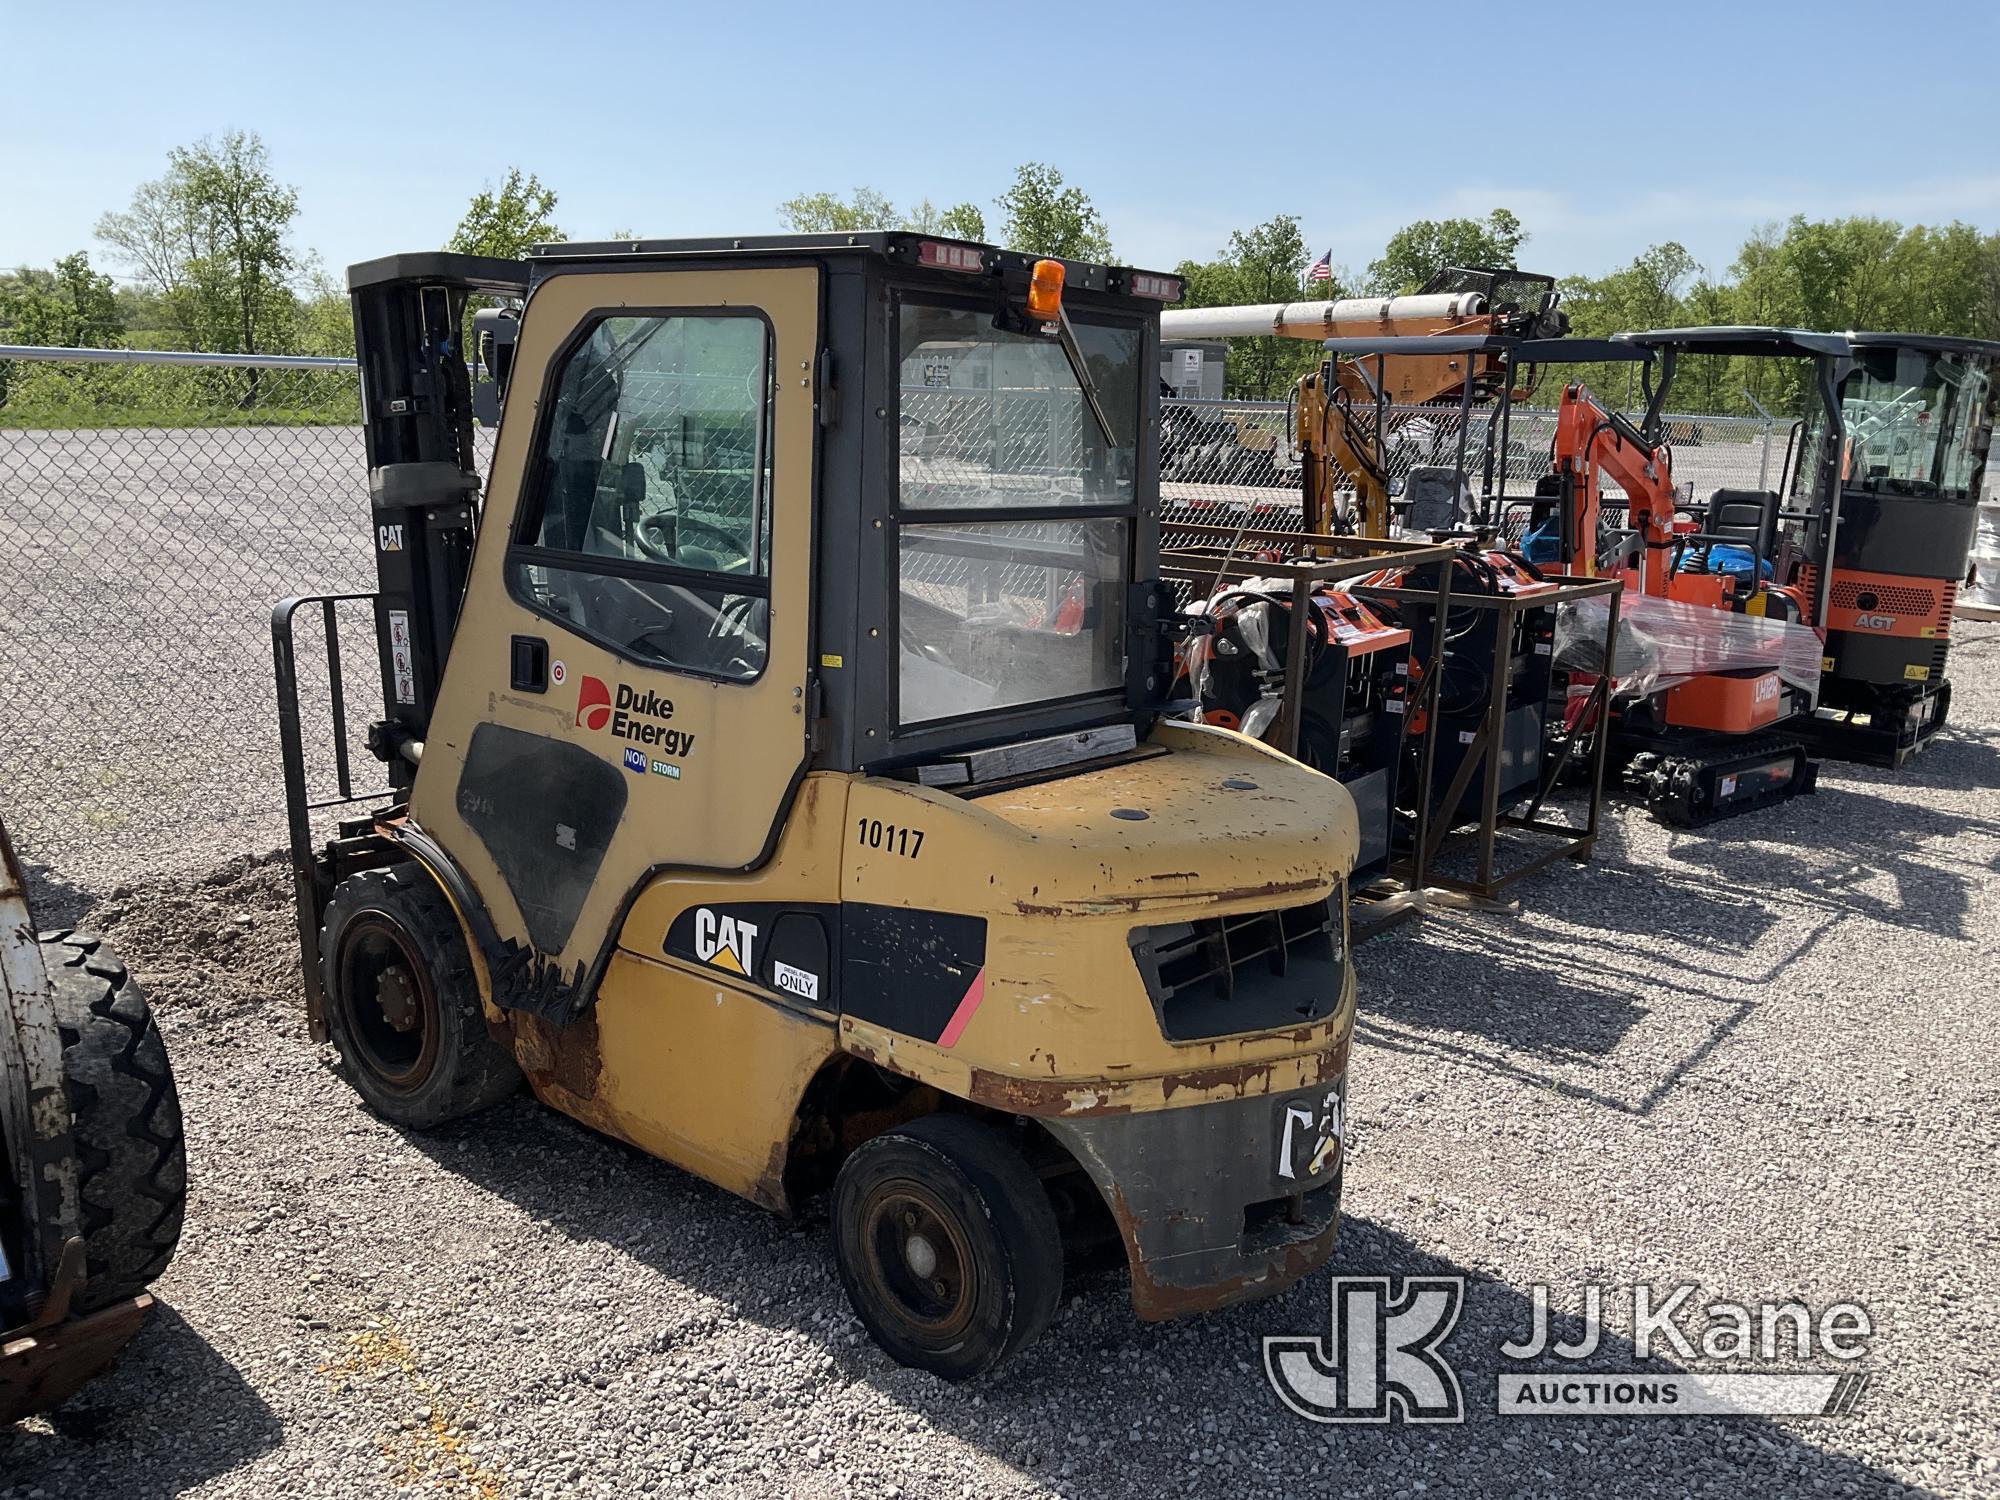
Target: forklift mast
423 477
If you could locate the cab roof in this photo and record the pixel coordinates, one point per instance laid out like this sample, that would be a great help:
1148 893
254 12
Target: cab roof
1794 343
1800 343
502 277
902 247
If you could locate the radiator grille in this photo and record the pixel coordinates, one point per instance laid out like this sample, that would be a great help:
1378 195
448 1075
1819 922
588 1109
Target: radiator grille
1257 971
1889 599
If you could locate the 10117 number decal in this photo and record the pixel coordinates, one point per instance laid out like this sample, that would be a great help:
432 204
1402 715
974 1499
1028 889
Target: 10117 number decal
873 833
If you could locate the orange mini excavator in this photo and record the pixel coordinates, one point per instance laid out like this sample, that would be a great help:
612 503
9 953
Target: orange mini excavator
1868 533
1716 678
1711 671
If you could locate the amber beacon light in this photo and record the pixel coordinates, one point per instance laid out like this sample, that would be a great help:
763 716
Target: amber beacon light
1045 291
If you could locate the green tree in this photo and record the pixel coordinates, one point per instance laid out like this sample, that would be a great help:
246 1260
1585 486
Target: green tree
326 318
212 236
962 221
1988 304
1260 265
829 213
1709 383
1044 217
1939 279
504 224
507 222
71 307
1418 251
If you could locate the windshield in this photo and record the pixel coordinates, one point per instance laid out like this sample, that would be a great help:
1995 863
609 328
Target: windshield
1016 513
1918 423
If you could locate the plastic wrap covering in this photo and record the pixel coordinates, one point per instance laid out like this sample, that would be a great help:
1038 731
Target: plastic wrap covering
1986 558
1662 642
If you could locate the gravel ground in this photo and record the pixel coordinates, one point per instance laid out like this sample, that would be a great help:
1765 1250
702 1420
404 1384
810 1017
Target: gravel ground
1758 1058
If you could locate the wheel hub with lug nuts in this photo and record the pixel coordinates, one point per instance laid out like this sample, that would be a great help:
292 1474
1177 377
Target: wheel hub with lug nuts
396 993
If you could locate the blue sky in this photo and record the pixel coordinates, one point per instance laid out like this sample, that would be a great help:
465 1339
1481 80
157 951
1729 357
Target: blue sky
1630 124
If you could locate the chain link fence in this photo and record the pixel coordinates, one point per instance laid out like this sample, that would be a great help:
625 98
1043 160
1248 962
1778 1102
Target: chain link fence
153 506
1223 455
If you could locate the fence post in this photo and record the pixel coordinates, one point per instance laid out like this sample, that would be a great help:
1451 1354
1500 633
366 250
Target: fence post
1770 426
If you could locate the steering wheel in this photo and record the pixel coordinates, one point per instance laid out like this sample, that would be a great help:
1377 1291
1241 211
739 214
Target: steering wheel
715 538
661 534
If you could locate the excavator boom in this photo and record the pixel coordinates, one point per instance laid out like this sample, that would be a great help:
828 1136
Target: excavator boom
1337 420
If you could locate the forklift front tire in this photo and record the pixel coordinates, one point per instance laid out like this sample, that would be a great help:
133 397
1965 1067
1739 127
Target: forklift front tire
402 1005
947 1245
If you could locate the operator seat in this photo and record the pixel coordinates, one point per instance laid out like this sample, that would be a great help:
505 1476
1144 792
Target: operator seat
1748 518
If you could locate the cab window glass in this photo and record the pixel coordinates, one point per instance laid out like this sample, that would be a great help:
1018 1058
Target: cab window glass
649 524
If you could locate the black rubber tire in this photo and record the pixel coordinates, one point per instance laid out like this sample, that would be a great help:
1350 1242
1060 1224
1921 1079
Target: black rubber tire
461 1068
125 1120
1007 1225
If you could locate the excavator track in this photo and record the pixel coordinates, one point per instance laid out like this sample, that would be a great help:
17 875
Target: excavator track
1698 786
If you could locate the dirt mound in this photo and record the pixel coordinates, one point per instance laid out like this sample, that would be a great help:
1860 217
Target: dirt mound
223 941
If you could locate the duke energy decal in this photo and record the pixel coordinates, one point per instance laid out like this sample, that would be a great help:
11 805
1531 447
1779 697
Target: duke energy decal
642 718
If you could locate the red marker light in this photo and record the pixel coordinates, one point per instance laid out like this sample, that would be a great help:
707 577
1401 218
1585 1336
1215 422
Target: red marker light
950 257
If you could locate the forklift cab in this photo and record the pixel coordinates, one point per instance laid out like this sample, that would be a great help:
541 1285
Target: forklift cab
782 775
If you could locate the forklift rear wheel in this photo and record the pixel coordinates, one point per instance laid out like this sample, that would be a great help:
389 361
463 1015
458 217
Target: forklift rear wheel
402 1005
947 1245
125 1120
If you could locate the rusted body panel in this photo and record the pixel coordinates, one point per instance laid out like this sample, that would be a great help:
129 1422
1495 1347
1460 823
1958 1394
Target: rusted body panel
1178 1188
1042 1012
42 1368
699 1071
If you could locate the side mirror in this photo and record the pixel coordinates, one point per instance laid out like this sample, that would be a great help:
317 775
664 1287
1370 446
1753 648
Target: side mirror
494 332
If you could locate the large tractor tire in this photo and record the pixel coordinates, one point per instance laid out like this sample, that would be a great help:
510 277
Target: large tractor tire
125 1120
402 1004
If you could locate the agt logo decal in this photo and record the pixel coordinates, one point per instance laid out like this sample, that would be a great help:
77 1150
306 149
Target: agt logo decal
726 942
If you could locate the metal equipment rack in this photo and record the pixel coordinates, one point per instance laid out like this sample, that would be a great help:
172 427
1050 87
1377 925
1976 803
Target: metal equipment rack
1202 557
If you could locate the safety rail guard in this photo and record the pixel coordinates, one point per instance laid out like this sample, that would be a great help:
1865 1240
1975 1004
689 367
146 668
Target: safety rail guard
307 879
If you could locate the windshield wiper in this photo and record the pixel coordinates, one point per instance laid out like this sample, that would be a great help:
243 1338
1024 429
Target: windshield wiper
1066 336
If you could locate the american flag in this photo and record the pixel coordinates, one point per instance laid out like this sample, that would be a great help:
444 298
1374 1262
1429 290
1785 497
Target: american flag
1322 269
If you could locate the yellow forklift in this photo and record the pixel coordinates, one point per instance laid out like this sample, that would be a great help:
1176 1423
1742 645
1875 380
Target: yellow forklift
780 776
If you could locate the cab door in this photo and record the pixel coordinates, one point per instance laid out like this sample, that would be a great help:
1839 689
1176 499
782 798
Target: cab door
627 685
